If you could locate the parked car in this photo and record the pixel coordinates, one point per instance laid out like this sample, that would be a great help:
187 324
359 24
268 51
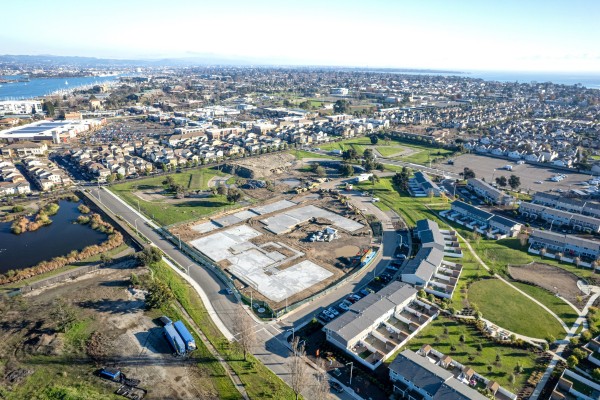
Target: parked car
344 306
393 268
333 311
538 182
336 386
325 317
351 299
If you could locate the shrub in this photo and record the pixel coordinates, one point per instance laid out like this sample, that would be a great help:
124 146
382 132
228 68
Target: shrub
134 279
17 209
83 209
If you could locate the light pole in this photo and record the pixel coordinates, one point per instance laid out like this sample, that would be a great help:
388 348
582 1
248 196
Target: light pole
188 269
135 222
250 298
351 367
179 236
293 329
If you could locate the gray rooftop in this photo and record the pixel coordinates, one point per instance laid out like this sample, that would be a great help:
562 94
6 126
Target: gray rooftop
364 312
426 261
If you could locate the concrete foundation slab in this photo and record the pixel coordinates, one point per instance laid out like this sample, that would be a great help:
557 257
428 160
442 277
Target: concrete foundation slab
285 221
205 227
228 220
242 215
269 208
216 246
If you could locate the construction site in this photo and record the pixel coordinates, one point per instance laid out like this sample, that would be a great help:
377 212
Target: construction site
287 250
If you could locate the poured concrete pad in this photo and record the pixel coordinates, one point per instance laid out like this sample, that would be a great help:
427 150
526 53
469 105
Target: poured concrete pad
217 245
286 220
291 281
269 208
205 227
228 220
245 214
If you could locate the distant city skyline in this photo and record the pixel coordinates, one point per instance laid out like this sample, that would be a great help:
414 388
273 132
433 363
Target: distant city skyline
463 36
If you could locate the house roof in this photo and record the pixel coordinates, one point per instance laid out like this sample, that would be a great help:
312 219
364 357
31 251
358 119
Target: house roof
425 262
364 312
420 371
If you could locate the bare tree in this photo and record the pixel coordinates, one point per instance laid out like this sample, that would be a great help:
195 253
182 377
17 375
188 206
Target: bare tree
298 369
523 239
559 256
476 237
542 252
320 391
244 326
594 265
577 261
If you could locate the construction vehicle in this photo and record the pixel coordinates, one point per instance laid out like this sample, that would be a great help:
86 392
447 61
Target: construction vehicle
188 339
313 185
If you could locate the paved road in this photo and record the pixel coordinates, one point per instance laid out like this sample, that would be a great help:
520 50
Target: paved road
270 349
383 160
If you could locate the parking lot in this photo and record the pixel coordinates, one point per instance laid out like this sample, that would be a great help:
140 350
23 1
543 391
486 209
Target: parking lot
388 275
488 167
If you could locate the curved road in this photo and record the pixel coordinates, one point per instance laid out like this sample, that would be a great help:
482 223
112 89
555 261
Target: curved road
270 350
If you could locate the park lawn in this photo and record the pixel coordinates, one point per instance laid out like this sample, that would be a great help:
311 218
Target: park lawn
509 309
301 154
231 180
472 271
423 157
258 379
48 274
509 355
411 209
557 305
388 151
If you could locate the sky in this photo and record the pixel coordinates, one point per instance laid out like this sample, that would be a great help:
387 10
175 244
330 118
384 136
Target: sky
537 35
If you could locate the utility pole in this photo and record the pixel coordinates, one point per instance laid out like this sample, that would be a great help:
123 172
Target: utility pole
351 367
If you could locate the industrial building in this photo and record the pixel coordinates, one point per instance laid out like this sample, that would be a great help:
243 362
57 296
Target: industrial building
54 131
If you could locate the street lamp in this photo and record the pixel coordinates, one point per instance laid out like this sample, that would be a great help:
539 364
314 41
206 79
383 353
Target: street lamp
250 298
139 206
293 332
351 367
135 222
179 236
188 268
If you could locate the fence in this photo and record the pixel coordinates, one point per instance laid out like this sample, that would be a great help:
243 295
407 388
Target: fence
205 261
60 277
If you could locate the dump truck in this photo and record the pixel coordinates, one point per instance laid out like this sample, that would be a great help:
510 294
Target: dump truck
188 339
174 340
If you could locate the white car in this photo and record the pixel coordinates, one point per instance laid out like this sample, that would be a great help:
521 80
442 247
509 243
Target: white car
344 306
333 311
538 182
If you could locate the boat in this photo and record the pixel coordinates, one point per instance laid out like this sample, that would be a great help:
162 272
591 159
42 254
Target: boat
66 83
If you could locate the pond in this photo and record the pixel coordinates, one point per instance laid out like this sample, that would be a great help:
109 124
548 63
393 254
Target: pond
57 239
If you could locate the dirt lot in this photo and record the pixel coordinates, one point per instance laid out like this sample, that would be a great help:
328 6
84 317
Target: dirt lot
124 336
259 167
549 277
334 256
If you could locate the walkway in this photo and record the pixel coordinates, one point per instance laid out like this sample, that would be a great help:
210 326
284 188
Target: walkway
581 319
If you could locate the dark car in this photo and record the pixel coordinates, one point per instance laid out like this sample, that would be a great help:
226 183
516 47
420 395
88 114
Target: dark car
336 386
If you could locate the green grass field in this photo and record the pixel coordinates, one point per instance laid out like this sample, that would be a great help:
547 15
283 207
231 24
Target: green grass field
345 145
258 380
501 371
511 310
423 157
388 151
472 270
166 213
411 209
558 306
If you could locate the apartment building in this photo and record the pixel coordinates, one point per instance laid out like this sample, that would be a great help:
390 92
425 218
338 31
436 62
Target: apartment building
568 204
379 324
475 218
415 377
566 244
24 149
489 192
559 217
422 185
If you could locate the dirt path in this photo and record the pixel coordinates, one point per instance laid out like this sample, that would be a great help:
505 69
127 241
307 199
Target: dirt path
217 180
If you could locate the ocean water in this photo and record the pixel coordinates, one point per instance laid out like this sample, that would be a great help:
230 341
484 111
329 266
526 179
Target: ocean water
42 87
590 80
